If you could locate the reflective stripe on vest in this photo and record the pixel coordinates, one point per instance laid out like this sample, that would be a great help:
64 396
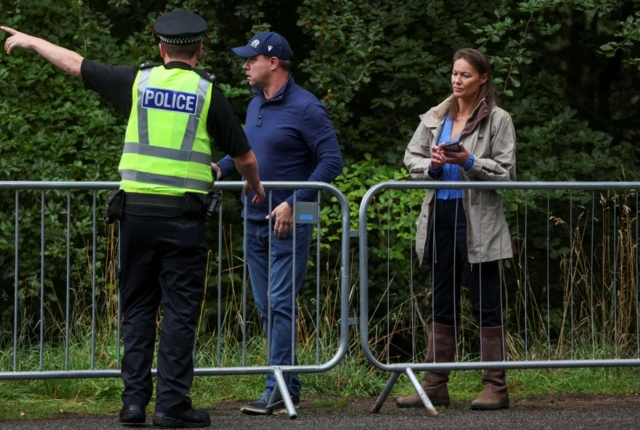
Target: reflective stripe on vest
150 168
172 181
168 153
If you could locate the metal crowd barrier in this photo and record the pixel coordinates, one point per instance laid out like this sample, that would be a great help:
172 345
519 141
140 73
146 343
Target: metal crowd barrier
586 252
57 200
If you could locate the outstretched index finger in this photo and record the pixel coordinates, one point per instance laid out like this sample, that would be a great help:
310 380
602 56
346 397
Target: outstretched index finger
9 30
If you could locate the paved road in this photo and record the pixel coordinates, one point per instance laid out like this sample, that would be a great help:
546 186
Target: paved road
553 412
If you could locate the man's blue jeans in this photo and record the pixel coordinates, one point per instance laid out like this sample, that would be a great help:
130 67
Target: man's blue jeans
284 309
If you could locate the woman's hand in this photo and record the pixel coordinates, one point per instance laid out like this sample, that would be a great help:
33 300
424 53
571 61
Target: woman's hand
460 157
438 158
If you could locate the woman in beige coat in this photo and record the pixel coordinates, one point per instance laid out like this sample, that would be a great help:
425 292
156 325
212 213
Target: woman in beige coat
465 138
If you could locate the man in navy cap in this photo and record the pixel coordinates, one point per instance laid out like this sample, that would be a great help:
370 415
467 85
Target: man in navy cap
294 140
166 175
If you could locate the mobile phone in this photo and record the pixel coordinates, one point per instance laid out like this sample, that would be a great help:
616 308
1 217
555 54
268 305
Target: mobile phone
451 146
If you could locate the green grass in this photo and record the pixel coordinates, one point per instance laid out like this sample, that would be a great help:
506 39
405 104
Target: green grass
352 378
532 383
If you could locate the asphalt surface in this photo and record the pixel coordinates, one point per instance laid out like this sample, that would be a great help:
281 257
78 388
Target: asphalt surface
553 412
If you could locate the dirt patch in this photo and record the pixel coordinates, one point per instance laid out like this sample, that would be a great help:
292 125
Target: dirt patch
358 405
577 400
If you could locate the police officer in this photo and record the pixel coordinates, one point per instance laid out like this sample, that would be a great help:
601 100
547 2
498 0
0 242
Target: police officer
174 110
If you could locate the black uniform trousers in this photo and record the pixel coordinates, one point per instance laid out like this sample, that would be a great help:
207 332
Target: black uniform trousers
162 260
449 259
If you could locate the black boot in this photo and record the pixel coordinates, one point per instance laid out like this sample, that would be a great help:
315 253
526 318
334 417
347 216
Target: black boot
132 414
191 418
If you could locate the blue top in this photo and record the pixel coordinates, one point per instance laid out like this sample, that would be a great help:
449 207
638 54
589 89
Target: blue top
293 139
449 172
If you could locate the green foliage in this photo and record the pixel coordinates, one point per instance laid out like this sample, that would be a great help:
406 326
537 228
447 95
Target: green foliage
355 180
627 35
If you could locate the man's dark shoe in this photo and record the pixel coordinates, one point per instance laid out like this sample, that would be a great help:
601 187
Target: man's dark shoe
132 414
259 406
192 418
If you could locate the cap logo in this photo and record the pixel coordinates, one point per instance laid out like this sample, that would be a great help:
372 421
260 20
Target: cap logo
270 48
255 43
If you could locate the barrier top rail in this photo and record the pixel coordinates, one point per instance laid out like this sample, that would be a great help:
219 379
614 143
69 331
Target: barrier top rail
221 185
499 185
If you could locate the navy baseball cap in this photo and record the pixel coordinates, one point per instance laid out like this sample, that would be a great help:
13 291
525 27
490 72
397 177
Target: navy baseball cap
180 27
267 43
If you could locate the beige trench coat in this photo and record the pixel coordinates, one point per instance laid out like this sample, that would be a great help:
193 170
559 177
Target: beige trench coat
491 138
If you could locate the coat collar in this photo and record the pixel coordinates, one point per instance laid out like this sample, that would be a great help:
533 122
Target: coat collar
435 116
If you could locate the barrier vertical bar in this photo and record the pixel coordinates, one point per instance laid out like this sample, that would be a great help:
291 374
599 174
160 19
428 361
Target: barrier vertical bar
502 322
15 292
68 289
244 280
293 286
615 272
119 323
93 285
318 283
269 329
388 287
455 256
636 267
432 338
548 276
525 284
42 281
593 323
411 289
571 268
480 275
219 319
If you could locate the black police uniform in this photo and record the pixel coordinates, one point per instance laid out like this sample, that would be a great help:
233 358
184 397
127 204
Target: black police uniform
163 251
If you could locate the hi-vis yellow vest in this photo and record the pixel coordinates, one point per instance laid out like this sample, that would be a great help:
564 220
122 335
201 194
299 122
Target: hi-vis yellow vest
167 148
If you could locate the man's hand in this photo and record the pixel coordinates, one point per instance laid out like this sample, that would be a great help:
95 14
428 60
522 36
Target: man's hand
284 220
60 57
16 40
259 193
216 169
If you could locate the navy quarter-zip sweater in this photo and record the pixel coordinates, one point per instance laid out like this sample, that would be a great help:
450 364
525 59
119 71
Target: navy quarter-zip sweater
293 139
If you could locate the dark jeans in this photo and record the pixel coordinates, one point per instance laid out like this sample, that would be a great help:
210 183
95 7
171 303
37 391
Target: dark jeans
284 309
162 260
449 259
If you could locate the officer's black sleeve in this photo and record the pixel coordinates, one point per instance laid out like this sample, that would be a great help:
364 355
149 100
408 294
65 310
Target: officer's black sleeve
113 83
223 125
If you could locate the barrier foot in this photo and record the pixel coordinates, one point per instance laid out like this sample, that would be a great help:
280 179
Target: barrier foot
383 396
283 391
423 396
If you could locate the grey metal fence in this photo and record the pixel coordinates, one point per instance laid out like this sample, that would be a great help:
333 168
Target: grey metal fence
568 297
69 242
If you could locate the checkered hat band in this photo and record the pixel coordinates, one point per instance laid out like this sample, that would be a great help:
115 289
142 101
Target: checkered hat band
180 40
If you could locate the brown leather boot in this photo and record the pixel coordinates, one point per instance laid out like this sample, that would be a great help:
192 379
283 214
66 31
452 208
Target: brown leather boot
434 383
495 394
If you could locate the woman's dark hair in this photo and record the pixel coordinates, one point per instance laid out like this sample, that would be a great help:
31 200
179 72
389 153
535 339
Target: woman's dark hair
481 64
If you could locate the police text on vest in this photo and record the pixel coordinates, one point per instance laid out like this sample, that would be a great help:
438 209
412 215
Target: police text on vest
174 101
